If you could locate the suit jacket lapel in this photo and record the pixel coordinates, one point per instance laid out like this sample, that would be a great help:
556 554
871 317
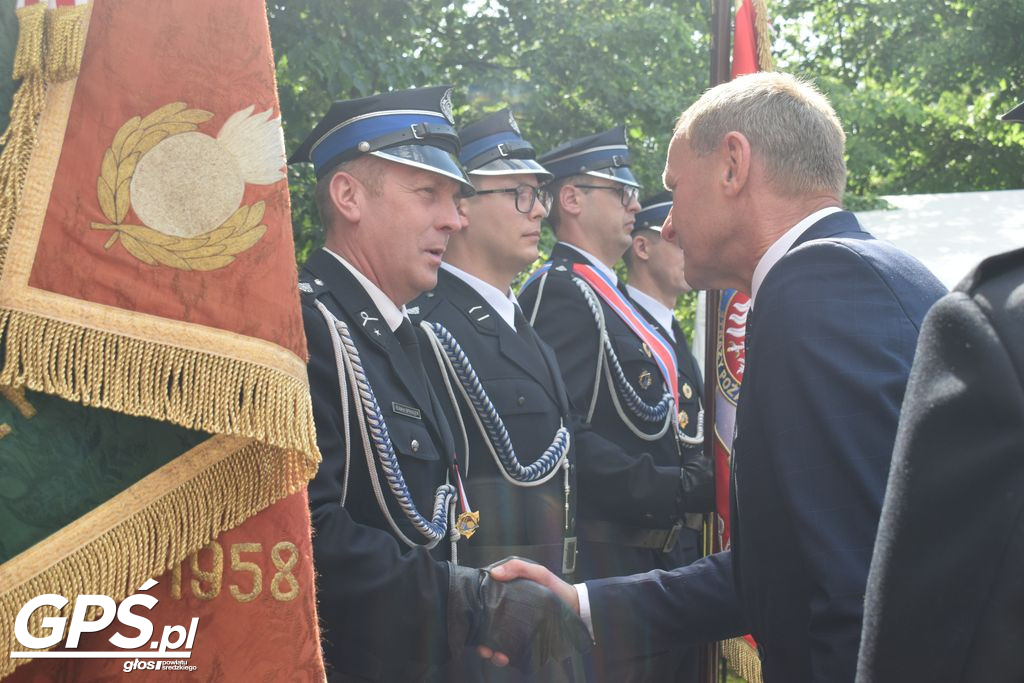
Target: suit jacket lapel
514 347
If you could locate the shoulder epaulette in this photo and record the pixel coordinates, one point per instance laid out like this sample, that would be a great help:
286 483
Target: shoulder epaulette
422 306
310 286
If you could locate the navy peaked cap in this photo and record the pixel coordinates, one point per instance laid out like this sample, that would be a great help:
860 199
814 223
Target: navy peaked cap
654 212
604 155
1015 114
412 127
495 146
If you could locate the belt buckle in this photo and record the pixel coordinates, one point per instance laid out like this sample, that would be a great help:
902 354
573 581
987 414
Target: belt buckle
673 536
568 555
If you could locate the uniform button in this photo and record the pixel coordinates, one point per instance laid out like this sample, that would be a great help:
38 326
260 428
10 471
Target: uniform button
415 445
521 400
319 282
648 516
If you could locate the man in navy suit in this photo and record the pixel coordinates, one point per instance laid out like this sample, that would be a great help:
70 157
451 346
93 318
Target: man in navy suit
756 171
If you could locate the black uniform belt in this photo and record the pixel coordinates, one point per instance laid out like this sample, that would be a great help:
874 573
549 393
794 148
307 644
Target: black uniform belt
598 531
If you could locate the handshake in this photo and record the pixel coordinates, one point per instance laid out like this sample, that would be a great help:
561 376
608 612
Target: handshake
515 612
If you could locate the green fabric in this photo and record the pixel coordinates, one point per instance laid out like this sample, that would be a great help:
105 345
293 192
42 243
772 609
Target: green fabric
68 459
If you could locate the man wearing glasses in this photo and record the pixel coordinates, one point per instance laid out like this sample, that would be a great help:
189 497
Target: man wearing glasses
621 376
508 405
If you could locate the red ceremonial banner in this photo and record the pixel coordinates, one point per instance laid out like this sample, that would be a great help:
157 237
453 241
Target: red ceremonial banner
749 55
135 63
239 609
149 271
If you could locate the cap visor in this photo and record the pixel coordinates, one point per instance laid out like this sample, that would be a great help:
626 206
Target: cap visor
620 174
514 167
428 158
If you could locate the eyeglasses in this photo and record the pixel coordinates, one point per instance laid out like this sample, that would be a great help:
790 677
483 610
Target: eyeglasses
526 196
627 193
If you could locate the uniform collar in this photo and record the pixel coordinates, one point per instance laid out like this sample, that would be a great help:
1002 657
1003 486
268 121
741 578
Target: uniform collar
596 262
782 245
393 314
504 304
661 313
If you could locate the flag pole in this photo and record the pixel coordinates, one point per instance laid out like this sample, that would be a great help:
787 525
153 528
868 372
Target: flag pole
721 23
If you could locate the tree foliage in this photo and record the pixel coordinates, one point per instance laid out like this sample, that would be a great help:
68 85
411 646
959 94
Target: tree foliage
566 68
918 83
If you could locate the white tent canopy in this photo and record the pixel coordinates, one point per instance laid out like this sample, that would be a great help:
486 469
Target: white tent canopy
950 233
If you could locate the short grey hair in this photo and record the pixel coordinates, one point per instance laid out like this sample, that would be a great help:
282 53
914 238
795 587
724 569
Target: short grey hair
363 169
789 123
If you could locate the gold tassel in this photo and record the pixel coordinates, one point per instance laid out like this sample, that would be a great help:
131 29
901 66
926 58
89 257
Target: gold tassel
127 544
743 659
20 137
187 387
65 41
16 397
18 142
28 56
763 34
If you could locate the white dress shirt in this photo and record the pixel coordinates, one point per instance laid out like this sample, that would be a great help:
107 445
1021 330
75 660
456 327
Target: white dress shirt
503 303
659 311
393 314
782 245
596 262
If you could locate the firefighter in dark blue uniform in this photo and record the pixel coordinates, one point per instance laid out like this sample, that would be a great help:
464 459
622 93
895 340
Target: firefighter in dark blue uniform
634 499
393 607
502 382
655 271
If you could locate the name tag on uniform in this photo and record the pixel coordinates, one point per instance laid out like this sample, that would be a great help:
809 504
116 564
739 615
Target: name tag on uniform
408 411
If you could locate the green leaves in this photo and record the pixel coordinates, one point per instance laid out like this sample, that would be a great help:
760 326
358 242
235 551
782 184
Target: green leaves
917 83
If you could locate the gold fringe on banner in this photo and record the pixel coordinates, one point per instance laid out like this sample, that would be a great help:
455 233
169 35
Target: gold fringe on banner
763 33
20 137
743 659
28 56
147 529
65 40
187 387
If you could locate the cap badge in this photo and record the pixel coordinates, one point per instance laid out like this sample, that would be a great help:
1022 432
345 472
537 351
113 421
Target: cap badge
446 106
512 124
